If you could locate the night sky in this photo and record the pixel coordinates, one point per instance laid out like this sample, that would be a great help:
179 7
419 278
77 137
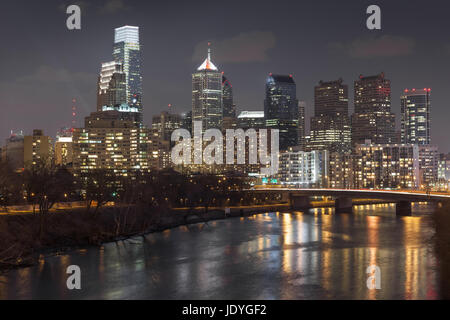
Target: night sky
44 65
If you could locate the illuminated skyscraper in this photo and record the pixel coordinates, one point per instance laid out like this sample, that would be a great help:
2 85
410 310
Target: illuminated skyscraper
207 95
281 108
127 51
373 119
111 87
415 108
330 126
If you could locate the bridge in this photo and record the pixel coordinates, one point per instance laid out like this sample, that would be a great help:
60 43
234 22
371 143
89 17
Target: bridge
300 198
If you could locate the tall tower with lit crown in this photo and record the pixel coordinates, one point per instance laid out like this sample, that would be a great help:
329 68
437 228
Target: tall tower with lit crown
127 51
207 95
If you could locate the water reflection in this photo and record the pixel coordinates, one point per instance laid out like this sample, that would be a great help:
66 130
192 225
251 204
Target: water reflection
297 255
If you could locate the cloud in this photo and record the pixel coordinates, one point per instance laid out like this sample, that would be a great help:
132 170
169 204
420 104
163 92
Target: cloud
113 6
244 47
373 47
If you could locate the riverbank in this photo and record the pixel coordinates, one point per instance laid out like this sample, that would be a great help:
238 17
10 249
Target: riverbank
69 228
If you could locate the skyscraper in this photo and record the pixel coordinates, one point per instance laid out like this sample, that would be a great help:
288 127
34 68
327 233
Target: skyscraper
229 108
207 95
111 87
415 109
127 51
330 126
165 123
373 119
281 108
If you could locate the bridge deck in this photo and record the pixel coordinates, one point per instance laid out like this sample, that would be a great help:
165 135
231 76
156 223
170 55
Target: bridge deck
413 196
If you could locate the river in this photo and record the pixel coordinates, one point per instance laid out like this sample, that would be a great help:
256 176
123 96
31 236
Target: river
295 255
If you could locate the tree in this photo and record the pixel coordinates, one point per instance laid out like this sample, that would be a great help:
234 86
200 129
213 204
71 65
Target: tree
44 185
10 186
101 186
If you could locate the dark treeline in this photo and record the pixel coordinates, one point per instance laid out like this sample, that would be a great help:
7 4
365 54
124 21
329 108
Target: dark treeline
142 202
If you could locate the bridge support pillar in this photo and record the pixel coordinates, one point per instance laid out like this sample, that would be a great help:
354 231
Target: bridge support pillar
343 205
403 208
300 202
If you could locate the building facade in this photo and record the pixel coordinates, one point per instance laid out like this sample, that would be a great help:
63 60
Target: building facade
428 166
389 166
165 123
330 126
207 95
281 108
304 169
37 147
416 119
373 119
127 51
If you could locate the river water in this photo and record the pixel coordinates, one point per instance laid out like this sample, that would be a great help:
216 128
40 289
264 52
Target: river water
296 255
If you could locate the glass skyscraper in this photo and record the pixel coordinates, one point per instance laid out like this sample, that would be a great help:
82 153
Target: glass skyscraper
281 108
415 108
127 51
229 108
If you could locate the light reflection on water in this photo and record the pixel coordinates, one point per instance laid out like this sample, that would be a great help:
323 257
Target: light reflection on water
314 255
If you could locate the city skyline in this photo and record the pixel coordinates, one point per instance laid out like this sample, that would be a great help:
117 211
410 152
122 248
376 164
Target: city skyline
254 51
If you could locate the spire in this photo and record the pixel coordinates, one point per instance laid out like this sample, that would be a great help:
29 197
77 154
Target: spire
207 64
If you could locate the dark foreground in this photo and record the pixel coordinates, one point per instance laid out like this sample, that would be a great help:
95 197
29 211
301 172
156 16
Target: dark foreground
315 255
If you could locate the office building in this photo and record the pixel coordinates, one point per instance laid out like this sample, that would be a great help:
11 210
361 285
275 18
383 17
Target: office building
373 119
127 52
165 123
281 108
207 95
330 126
416 120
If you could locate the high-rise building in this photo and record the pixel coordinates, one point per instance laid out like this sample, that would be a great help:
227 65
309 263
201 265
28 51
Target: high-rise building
207 95
111 88
281 108
330 126
111 142
373 119
186 121
416 120
127 51
428 166
229 108
37 147
304 169
389 166
340 171
165 123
